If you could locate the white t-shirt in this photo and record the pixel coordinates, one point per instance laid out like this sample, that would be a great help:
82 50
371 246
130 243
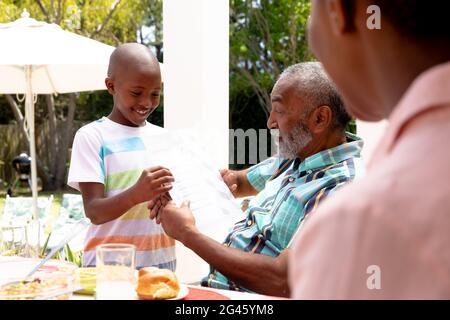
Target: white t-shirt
115 155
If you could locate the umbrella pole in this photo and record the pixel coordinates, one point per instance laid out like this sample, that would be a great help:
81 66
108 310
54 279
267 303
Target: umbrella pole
29 110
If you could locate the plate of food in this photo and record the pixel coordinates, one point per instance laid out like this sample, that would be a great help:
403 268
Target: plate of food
159 284
55 280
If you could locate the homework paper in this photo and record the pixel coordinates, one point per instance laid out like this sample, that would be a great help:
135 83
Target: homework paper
214 207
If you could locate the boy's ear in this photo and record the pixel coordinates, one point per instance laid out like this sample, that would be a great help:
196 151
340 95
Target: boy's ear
109 85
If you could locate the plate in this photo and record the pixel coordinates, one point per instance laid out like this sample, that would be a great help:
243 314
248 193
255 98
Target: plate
184 291
54 280
18 267
87 281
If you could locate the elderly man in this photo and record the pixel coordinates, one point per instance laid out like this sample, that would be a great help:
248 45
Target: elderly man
316 157
387 235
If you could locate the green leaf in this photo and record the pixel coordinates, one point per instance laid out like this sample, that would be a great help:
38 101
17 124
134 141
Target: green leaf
44 248
69 254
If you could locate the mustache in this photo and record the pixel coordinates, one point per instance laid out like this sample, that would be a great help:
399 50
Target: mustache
275 133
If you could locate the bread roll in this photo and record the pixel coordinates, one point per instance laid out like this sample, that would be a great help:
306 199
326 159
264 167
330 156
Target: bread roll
156 284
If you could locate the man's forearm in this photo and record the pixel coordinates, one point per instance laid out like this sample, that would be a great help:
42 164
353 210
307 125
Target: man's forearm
257 272
244 187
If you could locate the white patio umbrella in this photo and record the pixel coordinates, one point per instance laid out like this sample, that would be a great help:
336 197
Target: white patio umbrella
41 58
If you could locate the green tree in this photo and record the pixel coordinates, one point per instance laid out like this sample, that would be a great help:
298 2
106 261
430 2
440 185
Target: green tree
266 36
150 32
108 21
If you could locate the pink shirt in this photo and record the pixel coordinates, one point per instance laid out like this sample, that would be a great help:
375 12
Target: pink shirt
387 236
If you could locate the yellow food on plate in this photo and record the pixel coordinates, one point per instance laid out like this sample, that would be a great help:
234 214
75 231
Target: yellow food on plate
54 280
87 278
157 284
53 286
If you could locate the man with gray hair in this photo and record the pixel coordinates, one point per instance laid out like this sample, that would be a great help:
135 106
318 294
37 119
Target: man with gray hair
315 158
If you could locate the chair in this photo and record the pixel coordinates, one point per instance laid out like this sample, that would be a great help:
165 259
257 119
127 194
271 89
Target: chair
18 210
20 232
72 207
70 212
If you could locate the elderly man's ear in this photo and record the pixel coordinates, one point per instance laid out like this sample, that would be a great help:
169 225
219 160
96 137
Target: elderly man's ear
320 119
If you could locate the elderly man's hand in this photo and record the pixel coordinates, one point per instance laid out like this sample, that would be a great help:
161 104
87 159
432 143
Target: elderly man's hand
177 222
230 179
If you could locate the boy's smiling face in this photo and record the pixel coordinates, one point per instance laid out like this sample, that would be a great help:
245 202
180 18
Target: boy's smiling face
135 85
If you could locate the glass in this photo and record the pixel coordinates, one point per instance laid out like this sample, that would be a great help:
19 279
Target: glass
115 272
21 239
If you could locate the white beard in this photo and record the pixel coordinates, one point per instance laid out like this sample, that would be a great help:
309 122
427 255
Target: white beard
293 143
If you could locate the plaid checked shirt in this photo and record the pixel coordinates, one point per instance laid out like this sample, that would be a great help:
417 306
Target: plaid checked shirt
288 191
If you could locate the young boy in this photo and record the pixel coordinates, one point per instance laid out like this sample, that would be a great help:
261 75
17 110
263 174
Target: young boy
109 164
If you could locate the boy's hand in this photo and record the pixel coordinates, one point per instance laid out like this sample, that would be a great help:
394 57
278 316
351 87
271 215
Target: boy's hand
152 183
230 179
157 205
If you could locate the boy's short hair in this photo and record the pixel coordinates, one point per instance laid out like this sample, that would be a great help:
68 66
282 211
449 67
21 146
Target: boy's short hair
130 50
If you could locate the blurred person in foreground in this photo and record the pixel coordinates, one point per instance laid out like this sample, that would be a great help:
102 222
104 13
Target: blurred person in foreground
385 236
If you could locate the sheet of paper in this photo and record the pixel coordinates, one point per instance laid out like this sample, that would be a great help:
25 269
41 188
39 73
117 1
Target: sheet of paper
214 207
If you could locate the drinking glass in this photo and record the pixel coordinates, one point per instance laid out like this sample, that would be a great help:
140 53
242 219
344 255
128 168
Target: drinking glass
20 239
115 271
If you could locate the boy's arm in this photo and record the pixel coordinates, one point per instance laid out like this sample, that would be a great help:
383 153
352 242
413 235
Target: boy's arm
100 209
